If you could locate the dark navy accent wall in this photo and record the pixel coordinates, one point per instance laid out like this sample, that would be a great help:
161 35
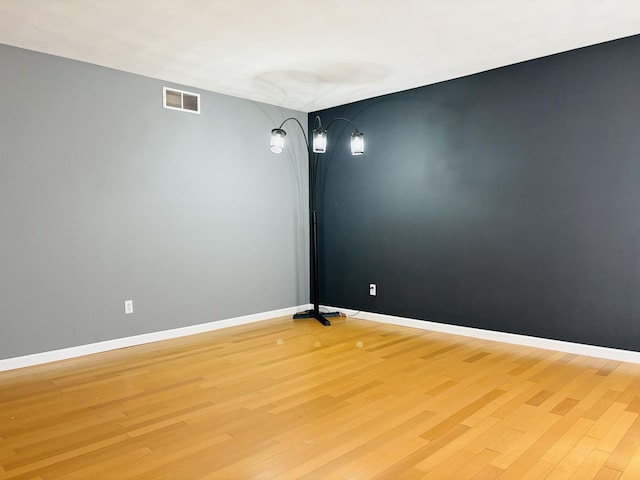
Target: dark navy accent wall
507 200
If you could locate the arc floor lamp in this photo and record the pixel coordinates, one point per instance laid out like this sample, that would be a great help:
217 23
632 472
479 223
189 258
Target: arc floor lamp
319 146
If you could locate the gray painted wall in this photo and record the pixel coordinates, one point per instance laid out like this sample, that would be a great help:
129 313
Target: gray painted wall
106 196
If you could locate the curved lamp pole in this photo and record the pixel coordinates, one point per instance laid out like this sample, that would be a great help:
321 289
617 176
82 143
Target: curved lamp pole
318 146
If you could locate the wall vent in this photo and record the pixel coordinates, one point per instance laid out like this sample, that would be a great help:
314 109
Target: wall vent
179 100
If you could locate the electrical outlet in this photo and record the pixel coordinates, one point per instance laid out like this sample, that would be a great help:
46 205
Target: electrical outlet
372 289
128 306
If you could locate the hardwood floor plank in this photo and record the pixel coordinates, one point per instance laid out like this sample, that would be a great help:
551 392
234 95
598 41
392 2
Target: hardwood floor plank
633 467
567 466
607 473
288 400
559 454
624 450
617 431
488 473
591 465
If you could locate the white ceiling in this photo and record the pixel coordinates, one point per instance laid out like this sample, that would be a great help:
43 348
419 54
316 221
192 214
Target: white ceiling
310 54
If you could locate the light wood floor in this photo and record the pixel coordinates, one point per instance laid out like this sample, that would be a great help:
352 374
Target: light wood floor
358 400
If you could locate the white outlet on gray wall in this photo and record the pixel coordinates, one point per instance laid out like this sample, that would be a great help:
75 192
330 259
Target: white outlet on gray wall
128 306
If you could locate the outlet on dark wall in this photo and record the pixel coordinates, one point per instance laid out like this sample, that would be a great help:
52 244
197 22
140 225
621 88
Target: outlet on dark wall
507 200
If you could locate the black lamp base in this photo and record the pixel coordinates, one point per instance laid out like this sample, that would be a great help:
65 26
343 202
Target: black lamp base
321 317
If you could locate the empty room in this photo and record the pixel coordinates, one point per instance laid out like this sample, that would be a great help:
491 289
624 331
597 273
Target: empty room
336 240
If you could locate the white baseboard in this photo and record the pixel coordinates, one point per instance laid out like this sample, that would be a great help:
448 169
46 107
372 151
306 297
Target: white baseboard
537 342
72 352
525 340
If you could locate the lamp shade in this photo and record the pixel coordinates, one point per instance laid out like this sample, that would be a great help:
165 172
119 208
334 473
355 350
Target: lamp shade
357 143
319 140
277 140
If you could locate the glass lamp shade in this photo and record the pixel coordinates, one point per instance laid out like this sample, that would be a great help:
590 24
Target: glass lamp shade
277 140
357 143
319 140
